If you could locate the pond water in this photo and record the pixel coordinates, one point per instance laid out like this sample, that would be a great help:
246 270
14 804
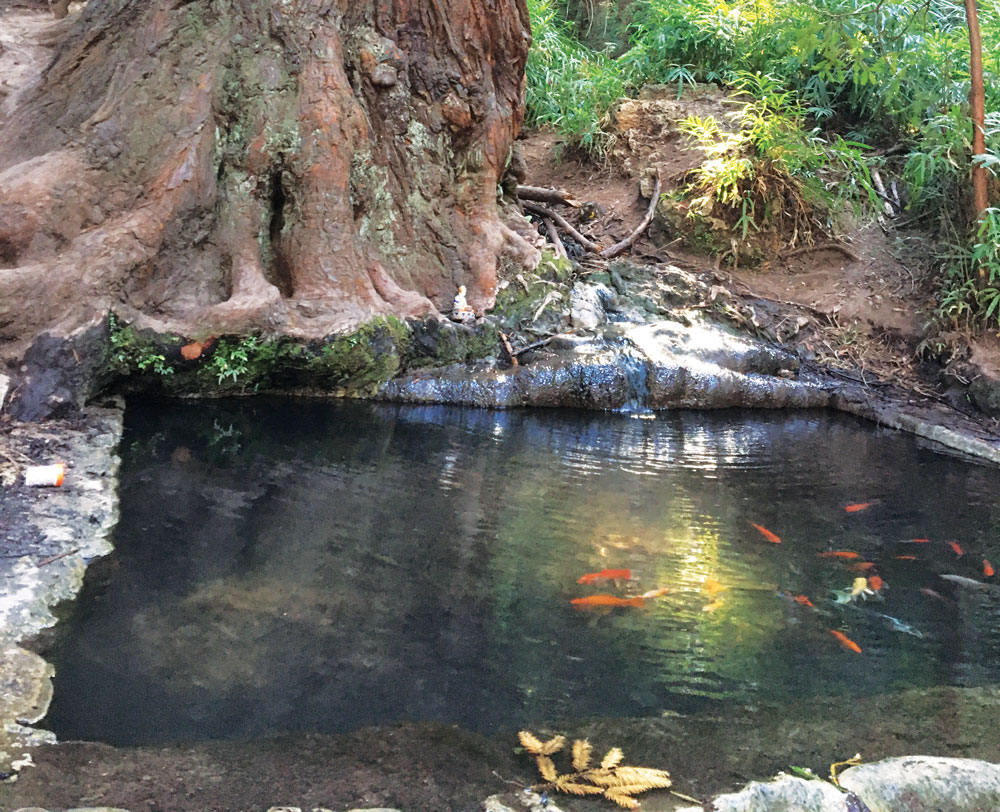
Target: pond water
287 566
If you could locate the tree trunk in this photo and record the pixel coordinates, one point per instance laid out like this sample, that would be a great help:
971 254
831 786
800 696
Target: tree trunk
977 108
218 166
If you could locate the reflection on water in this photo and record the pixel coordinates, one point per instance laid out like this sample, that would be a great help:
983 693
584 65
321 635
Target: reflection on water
290 566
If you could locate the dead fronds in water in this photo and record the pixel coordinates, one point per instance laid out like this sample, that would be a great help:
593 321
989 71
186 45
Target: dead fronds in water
611 779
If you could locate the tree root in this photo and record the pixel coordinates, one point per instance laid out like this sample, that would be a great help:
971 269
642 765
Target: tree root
542 195
629 241
563 223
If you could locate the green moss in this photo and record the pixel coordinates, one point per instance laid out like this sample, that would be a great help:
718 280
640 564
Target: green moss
353 365
357 364
515 305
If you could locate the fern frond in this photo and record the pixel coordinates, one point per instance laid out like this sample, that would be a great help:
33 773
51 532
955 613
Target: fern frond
546 768
612 758
530 743
643 776
581 755
603 778
553 745
564 783
621 799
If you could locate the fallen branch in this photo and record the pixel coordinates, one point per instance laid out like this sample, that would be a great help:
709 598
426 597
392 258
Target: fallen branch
54 558
543 195
617 248
530 347
550 227
563 223
823 246
507 348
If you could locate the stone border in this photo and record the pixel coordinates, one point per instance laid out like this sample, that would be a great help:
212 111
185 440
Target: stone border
45 557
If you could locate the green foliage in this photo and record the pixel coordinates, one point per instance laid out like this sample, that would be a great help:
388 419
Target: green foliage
769 179
570 87
131 353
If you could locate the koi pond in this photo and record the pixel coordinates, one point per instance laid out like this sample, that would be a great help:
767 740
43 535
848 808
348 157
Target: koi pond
289 566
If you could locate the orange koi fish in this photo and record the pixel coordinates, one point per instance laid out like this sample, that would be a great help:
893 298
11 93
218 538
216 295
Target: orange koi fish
771 537
905 557
861 566
605 575
711 607
956 547
921 541
845 641
802 599
988 570
858 506
592 601
656 593
712 586
875 582
837 554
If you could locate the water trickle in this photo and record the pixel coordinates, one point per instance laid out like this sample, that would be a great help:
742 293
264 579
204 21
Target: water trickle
636 368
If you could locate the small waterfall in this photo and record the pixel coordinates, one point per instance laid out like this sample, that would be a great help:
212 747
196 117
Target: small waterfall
635 365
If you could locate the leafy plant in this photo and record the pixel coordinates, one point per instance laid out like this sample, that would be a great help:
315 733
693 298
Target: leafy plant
610 779
130 352
231 359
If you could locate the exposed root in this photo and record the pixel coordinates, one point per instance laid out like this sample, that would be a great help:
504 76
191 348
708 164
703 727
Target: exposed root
629 241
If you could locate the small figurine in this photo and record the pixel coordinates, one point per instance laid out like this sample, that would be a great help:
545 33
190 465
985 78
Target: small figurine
460 309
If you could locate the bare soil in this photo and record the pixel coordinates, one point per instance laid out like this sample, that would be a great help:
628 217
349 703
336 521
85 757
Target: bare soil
865 314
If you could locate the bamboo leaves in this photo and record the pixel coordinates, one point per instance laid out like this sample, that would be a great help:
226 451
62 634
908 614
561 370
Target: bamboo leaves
612 780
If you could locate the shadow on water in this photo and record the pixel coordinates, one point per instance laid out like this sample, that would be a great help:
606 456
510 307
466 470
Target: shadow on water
288 566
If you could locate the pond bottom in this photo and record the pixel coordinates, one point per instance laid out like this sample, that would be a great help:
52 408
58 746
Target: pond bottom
434 766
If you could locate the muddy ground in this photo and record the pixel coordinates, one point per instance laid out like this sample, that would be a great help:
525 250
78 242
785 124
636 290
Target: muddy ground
424 767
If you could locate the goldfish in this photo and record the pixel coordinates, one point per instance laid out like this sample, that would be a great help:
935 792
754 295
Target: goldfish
656 593
592 601
711 607
905 557
771 537
605 575
802 599
858 506
838 554
875 582
858 588
956 547
921 541
711 586
988 570
845 641
861 566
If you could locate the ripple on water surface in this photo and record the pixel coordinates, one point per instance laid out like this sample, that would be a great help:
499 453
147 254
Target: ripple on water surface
290 566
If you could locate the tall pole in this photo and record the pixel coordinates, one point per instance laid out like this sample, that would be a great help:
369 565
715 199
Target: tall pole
977 107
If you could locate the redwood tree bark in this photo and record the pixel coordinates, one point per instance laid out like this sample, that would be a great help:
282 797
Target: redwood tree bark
977 106
217 166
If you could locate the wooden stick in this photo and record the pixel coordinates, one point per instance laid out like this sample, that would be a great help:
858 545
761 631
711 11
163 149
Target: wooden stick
54 558
823 246
543 195
550 227
509 349
534 346
880 188
617 248
563 223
